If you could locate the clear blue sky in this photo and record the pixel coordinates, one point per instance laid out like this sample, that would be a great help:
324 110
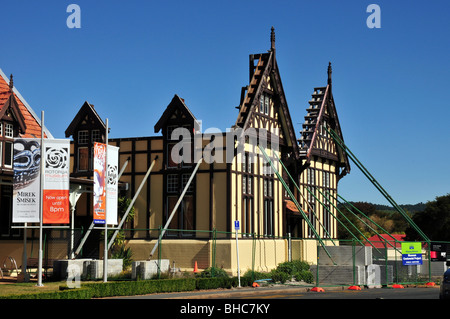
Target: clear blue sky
130 57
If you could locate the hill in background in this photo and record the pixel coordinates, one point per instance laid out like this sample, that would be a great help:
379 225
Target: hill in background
420 207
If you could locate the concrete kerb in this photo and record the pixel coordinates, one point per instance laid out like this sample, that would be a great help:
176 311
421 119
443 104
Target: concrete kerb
242 291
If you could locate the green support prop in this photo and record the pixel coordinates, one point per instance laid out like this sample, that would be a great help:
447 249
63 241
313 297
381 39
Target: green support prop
295 201
367 218
341 144
335 217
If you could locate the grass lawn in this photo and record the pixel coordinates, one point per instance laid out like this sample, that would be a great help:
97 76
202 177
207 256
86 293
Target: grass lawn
28 287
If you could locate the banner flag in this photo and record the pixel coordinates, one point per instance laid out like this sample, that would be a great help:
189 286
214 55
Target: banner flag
101 185
112 184
26 183
56 207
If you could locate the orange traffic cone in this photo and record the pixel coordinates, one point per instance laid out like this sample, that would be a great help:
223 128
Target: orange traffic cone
195 267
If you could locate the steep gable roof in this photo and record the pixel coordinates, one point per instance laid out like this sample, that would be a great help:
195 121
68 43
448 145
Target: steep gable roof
266 66
322 108
85 110
12 106
177 103
31 122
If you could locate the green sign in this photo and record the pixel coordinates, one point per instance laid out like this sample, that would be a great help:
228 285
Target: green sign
411 248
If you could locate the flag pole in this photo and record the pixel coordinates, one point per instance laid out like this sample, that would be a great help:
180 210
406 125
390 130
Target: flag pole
105 253
39 284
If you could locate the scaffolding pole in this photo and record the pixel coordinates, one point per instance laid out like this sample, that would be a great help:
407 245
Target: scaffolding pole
176 207
124 217
307 202
341 144
352 206
280 178
80 246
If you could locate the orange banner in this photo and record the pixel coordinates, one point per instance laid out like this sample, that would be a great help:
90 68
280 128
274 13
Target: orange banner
56 207
55 201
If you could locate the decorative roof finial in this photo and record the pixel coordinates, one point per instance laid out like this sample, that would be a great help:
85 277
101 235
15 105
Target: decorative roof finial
329 72
11 83
272 39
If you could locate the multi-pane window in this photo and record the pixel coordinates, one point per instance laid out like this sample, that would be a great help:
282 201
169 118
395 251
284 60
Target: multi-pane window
183 218
264 104
7 144
326 179
96 136
185 180
268 208
311 185
83 137
184 155
8 154
9 132
172 183
327 198
247 195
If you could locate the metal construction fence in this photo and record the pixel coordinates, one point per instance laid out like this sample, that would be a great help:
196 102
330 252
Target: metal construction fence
338 262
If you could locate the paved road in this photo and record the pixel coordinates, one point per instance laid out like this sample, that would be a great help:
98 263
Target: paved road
276 302
289 292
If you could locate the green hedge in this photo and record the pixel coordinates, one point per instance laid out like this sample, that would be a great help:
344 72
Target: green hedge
132 288
65 294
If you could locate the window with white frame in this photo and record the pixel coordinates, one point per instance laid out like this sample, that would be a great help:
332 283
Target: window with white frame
96 136
9 131
83 137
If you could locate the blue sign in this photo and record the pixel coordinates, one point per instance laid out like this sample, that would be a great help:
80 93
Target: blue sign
411 259
236 225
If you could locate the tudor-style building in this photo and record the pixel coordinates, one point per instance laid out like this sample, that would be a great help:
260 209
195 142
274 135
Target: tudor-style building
244 189
86 128
260 201
322 162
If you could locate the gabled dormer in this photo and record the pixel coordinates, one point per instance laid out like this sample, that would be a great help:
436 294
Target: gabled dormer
315 140
176 115
12 124
263 103
86 128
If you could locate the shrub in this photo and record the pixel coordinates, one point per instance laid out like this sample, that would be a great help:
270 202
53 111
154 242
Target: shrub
213 272
297 269
304 275
256 275
278 275
121 252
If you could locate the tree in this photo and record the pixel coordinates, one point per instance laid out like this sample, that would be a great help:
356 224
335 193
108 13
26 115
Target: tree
352 223
118 249
434 221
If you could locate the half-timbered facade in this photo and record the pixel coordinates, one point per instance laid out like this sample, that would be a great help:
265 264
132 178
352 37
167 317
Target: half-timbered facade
323 163
259 199
243 187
